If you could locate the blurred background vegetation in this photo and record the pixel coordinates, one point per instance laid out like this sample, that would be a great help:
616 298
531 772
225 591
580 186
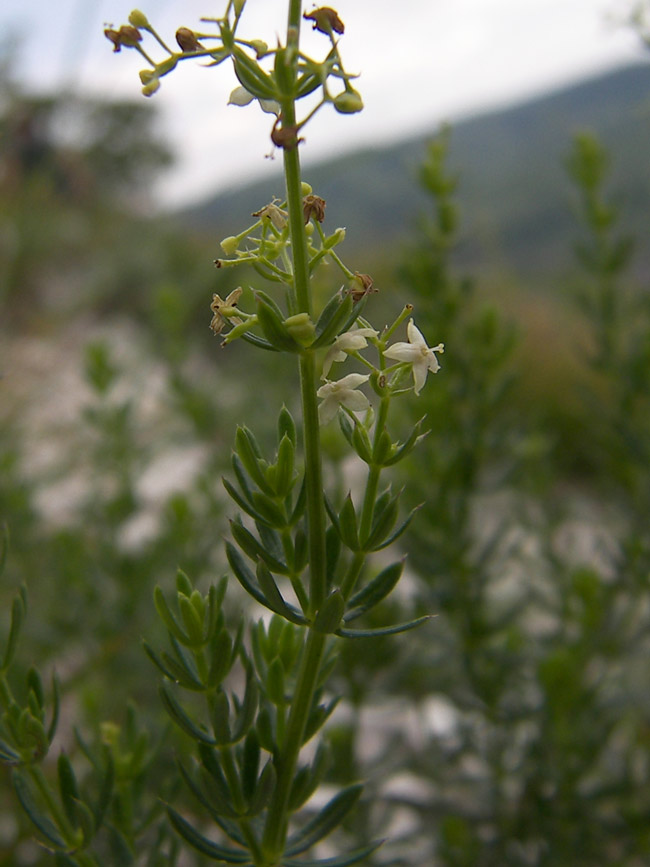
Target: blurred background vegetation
513 730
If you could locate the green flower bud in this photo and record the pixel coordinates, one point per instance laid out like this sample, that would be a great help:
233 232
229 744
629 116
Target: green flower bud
348 102
301 328
229 245
306 188
335 238
139 19
261 48
150 88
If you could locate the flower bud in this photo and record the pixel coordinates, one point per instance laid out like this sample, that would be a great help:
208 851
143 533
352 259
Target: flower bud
187 40
306 188
348 102
150 88
334 239
126 35
229 245
261 48
301 328
139 19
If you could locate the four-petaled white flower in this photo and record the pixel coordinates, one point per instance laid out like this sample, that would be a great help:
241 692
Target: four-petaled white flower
421 357
224 310
350 341
342 393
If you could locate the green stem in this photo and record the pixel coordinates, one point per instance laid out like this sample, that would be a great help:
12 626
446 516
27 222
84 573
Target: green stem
277 819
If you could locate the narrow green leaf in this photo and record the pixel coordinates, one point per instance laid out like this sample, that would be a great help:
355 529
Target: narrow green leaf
68 788
338 861
183 583
18 611
287 426
206 847
374 591
361 442
329 616
383 449
218 808
106 790
274 682
44 824
255 549
8 756
348 524
35 686
335 313
272 513
274 599
407 447
56 707
250 763
259 342
285 467
385 630
181 719
307 779
243 504
264 789
244 575
251 458
85 821
274 328
220 715
318 717
165 614
252 76
323 823
192 622
397 532
221 658
307 84
382 524
246 715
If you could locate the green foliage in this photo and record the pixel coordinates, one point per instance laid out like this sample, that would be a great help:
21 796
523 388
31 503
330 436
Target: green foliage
528 687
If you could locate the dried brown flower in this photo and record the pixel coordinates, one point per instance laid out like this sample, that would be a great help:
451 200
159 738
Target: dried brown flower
187 40
325 19
313 206
126 35
273 213
285 137
361 285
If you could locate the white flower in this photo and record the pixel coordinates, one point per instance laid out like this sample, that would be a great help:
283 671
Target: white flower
350 341
342 393
418 354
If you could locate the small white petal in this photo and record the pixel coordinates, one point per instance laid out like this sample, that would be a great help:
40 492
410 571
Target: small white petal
355 400
415 335
402 352
240 96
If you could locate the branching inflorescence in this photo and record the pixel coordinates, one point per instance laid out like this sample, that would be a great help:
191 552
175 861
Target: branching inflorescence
296 553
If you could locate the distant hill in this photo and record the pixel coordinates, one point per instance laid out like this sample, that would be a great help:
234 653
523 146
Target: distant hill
515 199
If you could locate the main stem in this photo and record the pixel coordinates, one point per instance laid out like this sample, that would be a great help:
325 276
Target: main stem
277 820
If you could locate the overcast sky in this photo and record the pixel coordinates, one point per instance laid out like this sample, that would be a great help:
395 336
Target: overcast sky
421 62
